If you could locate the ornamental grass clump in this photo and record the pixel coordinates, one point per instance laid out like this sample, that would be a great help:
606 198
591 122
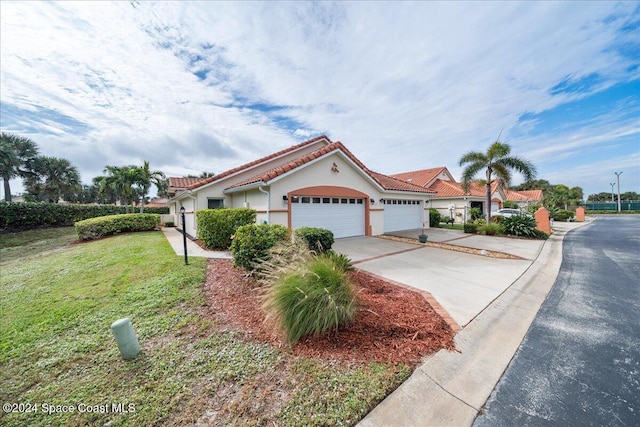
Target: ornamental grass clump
310 296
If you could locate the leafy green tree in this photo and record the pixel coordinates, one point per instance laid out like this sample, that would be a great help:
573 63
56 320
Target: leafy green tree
496 161
16 153
146 178
50 179
120 180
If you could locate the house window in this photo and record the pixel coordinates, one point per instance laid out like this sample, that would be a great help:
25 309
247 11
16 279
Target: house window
215 203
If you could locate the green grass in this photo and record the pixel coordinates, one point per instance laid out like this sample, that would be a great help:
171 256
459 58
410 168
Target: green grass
58 300
450 226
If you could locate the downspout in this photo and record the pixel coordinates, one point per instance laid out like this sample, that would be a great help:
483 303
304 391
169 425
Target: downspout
268 203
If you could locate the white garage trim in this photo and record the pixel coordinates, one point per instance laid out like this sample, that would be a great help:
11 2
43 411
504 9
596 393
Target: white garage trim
344 216
402 215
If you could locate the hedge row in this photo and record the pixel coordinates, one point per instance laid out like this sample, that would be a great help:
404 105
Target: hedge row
252 242
317 239
25 216
216 227
94 228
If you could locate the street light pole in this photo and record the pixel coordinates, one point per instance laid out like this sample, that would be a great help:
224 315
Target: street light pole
184 236
612 184
618 176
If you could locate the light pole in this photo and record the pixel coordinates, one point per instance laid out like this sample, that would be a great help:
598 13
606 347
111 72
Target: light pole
612 185
184 236
618 176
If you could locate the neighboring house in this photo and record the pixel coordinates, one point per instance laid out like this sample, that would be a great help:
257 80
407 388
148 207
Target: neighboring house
452 201
525 198
178 185
317 183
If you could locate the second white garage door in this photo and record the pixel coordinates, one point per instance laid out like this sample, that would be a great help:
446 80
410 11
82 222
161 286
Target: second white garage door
343 216
402 215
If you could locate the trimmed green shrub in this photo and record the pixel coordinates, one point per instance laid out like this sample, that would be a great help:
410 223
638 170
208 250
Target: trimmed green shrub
541 235
318 239
434 217
216 227
489 229
519 225
315 299
563 215
94 228
252 242
18 216
470 228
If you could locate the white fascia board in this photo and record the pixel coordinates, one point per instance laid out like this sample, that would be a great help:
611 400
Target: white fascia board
181 195
252 186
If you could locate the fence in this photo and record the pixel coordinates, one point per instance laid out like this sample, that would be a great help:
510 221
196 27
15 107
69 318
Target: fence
625 205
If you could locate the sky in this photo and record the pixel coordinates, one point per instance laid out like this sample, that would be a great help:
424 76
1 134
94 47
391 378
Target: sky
207 86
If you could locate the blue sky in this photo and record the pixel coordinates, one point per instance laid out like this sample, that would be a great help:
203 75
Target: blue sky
194 86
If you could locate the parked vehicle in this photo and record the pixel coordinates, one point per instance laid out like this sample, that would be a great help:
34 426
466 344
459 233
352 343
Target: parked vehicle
506 212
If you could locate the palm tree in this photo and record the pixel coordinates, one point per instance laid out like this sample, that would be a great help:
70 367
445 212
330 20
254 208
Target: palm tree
16 152
146 178
495 161
51 178
121 180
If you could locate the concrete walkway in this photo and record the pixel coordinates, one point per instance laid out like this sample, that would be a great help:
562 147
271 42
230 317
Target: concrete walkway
450 388
174 237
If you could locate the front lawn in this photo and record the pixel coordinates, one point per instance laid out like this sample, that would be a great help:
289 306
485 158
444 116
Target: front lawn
58 300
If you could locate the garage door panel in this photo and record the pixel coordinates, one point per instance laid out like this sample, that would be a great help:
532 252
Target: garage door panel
343 216
402 215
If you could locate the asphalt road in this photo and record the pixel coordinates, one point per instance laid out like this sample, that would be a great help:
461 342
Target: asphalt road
579 364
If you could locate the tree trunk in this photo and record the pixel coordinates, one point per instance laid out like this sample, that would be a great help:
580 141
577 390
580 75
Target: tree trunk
488 208
7 190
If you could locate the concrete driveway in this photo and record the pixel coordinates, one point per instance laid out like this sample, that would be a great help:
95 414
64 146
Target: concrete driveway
464 284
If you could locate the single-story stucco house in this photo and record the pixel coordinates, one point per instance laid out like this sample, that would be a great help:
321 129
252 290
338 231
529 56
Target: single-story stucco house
317 183
451 200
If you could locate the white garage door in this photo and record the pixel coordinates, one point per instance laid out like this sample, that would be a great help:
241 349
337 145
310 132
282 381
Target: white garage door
343 216
402 215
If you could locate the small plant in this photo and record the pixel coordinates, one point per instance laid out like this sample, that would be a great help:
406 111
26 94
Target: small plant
318 239
475 213
519 225
252 242
497 219
169 224
563 215
489 229
434 217
341 261
313 299
470 228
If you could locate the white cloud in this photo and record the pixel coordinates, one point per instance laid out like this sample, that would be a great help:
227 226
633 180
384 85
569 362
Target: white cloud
403 85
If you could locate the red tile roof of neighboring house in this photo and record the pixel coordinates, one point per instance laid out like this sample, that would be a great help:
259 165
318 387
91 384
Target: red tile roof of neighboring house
386 182
454 189
182 183
420 177
524 195
258 161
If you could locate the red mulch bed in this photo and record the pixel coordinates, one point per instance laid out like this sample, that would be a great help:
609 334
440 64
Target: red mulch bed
392 324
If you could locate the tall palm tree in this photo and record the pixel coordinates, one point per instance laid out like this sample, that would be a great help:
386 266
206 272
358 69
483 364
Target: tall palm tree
146 178
495 161
16 152
51 178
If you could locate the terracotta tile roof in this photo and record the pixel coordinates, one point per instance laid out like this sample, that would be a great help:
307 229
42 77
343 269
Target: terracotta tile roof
182 183
258 161
524 195
454 189
420 177
386 182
